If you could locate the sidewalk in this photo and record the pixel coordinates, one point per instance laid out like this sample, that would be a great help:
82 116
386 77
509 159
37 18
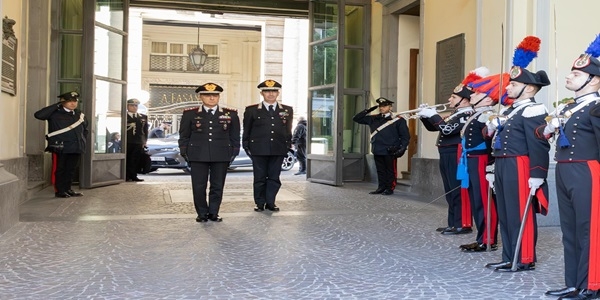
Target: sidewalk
140 241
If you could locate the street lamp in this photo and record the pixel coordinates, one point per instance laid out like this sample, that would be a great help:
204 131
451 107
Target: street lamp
198 55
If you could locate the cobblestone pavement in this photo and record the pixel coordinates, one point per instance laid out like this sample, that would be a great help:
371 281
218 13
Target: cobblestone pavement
140 241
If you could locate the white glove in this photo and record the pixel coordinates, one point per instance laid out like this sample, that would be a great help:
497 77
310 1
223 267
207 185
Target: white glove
552 125
423 105
427 112
490 177
535 183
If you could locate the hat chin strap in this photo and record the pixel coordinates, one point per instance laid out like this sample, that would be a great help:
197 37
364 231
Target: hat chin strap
521 92
458 103
590 76
476 103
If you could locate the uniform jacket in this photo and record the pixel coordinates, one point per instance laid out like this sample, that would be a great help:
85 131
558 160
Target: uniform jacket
474 135
449 128
394 135
74 140
582 131
519 137
206 137
137 129
299 136
264 134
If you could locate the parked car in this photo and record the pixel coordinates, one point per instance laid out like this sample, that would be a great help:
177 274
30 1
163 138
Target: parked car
164 153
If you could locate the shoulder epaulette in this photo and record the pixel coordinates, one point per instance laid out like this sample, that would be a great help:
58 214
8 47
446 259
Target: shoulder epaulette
191 108
534 110
229 108
257 105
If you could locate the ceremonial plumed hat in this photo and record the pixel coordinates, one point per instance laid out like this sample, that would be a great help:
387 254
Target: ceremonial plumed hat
209 88
490 86
133 101
383 101
69 96
269 85
463 90
588 61
524 54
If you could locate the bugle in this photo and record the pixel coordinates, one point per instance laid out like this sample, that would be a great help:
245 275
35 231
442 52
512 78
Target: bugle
412 114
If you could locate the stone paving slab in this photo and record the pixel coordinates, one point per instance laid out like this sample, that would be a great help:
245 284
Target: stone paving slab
335 243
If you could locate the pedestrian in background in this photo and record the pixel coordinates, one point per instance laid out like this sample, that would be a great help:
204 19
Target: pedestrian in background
299 142
137 135
114 145
267 139
160 131
67 136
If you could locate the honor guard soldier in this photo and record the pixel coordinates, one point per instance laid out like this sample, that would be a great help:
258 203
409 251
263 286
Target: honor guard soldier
209 139
449 148
389 140
267 139
137 135
576 128
67 136
521 161
477 159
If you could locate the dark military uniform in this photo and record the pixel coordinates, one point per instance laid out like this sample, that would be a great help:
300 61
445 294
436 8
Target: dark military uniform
210 141
477 148
66 147
448 143
137 135
520 154
267 138
394 136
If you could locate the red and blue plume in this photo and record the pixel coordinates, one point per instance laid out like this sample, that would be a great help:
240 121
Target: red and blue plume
594 48
526 51
490 86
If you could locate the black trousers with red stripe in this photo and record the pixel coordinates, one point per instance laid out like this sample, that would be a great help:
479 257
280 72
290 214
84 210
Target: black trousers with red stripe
63 170
448 165
478 193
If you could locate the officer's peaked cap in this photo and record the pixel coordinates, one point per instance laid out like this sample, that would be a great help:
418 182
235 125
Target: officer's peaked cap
69 96
269 85
209 88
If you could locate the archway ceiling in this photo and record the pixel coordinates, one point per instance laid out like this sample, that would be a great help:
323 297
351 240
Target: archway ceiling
287 8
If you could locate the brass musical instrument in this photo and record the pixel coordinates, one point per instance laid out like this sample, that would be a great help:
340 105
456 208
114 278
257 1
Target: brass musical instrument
412 114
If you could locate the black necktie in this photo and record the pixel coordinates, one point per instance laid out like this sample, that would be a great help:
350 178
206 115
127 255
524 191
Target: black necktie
271 110
210 111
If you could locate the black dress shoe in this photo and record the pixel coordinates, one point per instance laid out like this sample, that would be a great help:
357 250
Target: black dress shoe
272 207
440 229
482 248
259 207
215 218
498 264
583 294
387 192
468 247
62 195
560 292
137 179
200 219
377 191
74 194
520 267
453 230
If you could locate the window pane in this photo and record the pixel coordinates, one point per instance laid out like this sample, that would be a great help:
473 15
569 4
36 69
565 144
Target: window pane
353 104
324 63
321 122
110 12
108 56
71 45
71 14
211 50
107 120
325 20
353 71
159 47
176 49
354 25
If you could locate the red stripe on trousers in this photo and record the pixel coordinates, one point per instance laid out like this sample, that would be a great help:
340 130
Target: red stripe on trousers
484 191
395 164
53 173
594 258
527 241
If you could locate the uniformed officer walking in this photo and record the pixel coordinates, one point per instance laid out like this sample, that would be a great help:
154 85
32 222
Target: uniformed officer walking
521 164
137 135
267 139
389 140
578 177
67 136
448 143
209 139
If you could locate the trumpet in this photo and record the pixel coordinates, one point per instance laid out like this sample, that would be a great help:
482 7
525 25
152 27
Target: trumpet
412 114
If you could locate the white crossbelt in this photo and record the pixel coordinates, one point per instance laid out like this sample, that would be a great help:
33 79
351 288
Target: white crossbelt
68 127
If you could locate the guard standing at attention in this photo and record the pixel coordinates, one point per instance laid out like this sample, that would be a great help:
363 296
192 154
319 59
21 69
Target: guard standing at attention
267 139
389 140
576 126
137 135
209 139
67 136
521 161
450 149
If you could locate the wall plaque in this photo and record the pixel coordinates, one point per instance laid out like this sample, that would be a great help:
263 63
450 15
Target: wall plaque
9 57
450 66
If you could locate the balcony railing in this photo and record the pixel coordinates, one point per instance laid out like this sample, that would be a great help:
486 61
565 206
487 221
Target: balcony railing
179 63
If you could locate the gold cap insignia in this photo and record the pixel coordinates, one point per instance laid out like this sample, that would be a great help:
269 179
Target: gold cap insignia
210 87
582 62
458 88
515 72
270 83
